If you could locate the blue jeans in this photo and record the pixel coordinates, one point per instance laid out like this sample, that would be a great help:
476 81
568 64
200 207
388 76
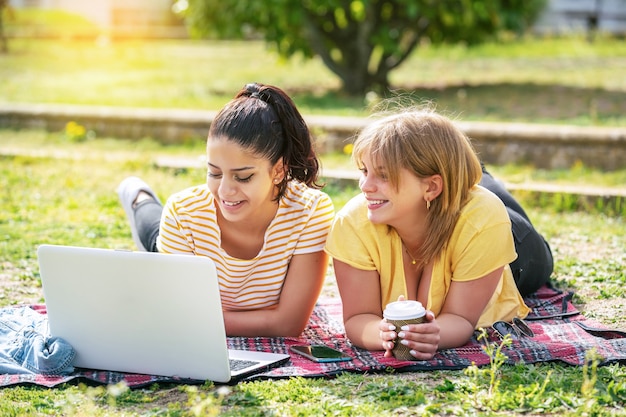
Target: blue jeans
26 347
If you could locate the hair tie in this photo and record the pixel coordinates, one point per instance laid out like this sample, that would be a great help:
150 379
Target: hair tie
253 89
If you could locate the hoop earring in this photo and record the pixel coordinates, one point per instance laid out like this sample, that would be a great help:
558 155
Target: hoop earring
427 204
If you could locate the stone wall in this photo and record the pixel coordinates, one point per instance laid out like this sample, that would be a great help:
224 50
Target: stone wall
544 146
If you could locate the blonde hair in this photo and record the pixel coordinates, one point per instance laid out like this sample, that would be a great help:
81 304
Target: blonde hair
425 143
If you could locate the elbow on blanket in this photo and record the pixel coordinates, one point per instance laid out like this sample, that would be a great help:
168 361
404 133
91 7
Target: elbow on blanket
293 329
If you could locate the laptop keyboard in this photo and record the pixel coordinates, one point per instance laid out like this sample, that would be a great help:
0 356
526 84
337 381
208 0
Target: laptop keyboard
238 364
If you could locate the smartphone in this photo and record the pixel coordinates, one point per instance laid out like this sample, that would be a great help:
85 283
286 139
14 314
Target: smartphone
320 353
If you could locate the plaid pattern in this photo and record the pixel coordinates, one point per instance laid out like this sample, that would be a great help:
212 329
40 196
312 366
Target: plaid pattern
561 334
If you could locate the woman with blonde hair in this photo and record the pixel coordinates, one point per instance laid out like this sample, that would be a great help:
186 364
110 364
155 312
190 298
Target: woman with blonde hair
424 229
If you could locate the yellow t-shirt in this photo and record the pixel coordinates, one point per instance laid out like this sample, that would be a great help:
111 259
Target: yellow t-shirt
480 243
189 226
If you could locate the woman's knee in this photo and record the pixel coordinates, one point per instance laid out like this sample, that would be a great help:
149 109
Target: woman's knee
534 264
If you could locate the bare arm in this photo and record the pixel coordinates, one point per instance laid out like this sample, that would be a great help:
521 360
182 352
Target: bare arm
303 284
461 312
455 324
362 311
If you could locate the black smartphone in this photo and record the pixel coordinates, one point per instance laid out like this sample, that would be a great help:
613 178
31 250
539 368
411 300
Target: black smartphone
320 353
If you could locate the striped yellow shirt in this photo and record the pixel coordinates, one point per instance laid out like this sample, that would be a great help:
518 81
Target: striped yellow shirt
189 226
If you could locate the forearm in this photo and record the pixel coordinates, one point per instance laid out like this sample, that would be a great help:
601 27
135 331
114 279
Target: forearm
363 331
455 331
460 313
267 323
288 318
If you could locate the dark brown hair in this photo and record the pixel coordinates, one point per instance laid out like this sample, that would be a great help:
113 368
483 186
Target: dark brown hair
264 120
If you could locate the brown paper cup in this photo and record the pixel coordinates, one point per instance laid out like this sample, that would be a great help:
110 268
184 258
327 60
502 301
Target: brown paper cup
400 351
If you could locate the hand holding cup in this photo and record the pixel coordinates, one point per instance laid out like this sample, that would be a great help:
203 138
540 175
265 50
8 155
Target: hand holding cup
401 313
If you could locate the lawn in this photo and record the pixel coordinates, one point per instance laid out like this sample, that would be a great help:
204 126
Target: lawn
564 81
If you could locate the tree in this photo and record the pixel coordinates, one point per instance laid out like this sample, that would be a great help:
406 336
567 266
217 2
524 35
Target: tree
361 41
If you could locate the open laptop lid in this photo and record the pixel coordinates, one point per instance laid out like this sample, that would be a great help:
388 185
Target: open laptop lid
138 312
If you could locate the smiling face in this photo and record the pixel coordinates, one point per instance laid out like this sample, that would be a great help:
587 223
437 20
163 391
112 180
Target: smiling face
386 204
243 185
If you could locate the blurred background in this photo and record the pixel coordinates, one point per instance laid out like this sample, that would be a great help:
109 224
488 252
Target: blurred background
555 61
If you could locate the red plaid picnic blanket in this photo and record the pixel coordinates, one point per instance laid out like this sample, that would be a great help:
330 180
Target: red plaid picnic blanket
561 334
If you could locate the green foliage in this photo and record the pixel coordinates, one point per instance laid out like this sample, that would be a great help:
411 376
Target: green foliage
361 41
530 80
489 376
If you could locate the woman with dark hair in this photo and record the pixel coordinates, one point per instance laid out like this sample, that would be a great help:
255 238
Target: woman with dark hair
260 216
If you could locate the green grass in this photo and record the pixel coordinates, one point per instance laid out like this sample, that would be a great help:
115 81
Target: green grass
564 80
48 23
55 190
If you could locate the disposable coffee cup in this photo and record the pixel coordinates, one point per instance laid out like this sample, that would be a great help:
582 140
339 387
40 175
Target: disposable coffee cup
401 313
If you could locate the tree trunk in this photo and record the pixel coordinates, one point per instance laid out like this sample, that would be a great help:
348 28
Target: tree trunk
4 46
360 85
353 66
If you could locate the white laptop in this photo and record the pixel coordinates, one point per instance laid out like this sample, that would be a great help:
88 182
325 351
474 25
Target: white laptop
141 312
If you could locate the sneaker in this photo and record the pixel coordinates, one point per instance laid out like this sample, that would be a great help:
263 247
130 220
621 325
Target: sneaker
128 190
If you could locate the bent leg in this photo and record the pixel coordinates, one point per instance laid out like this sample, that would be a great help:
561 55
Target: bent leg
496 187
144 216
147 221
534 263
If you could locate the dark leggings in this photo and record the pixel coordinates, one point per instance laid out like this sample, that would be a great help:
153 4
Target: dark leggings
147 220
534 263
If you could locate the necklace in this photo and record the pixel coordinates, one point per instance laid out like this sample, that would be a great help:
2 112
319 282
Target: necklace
413 260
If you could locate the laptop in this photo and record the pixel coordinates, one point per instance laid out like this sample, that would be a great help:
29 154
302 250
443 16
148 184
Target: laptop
141 312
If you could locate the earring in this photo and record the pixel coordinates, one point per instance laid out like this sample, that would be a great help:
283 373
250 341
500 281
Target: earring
427 204
276 180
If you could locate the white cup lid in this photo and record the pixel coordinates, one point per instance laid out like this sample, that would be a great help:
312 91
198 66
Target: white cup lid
404 310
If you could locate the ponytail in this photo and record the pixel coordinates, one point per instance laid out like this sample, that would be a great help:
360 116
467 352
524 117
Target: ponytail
265 120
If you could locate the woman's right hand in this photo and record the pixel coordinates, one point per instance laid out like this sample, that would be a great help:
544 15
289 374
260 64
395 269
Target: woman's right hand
388 336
